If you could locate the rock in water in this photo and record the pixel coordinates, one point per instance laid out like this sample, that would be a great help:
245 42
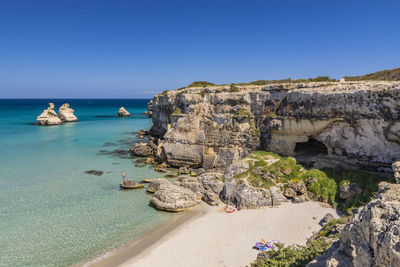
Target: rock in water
94 172
171 197
141 150
155 184
49 116
66 113
122 112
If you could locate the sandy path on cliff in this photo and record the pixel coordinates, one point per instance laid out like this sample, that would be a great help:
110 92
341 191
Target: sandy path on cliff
221 239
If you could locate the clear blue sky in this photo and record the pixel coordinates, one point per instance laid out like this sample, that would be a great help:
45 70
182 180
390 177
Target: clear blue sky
128 49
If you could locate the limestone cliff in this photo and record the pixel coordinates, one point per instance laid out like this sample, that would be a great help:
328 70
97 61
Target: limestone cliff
350 123
372 237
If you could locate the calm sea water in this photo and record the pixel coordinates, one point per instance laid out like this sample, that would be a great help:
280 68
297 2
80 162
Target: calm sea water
51 212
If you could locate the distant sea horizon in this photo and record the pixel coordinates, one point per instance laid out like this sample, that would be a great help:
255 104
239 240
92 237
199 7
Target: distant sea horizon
53 213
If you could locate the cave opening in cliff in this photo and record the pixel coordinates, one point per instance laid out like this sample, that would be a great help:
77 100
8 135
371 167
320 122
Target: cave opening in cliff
311 147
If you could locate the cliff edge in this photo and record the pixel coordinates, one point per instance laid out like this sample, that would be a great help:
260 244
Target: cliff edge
350 124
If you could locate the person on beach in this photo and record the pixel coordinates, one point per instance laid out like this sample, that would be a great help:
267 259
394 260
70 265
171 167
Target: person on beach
123 177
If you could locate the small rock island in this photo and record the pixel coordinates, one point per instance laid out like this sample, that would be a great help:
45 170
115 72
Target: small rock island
122 112
49 116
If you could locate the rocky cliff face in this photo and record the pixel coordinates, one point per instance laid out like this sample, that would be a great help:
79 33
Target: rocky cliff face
353 123
373 236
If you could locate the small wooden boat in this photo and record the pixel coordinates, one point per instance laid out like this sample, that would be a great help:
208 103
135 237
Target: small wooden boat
146 181
129 184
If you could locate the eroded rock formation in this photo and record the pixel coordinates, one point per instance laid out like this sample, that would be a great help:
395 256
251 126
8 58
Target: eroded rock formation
346 123
171 197
66 113
122 112
49 116
373 236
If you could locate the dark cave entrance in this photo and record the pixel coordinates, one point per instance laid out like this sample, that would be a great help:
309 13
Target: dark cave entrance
310 148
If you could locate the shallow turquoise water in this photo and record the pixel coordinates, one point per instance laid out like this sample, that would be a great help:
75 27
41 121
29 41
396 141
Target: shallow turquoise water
51 212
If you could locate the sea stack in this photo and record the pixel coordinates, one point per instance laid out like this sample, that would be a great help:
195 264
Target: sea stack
122 112
66 113
49 116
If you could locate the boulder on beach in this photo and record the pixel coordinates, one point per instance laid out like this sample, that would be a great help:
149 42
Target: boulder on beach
66 113
245 196
49 116
170 197
122 112
194 184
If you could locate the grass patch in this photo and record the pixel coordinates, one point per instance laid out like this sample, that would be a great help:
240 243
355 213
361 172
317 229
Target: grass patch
367 181
321 185
243 112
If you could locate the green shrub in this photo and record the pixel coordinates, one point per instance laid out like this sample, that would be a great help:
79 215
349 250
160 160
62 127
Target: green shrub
367 181
164 92
386 75
322 186
243 112
200 84
292 256
233 89
177 112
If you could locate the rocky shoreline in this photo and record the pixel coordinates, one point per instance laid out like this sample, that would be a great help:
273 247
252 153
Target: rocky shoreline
211 136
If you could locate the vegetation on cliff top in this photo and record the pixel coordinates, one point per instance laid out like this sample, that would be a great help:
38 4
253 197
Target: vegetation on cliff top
384 75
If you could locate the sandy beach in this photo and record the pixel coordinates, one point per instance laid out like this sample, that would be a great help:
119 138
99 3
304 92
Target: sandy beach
213 238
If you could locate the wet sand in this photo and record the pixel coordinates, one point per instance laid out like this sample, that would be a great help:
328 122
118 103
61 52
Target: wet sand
122 254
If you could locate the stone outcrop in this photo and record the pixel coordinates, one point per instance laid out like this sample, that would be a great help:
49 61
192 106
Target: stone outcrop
149 111
276 196
396 170
49 116
373 236
141 150
194 184
67 114
245 196
155 184
334 124
213 185
348 192
122 112
207 186
171 197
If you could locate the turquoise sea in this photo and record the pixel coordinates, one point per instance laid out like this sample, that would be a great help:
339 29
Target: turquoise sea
51 212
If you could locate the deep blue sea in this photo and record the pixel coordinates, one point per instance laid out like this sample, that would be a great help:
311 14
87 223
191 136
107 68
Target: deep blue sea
51 212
